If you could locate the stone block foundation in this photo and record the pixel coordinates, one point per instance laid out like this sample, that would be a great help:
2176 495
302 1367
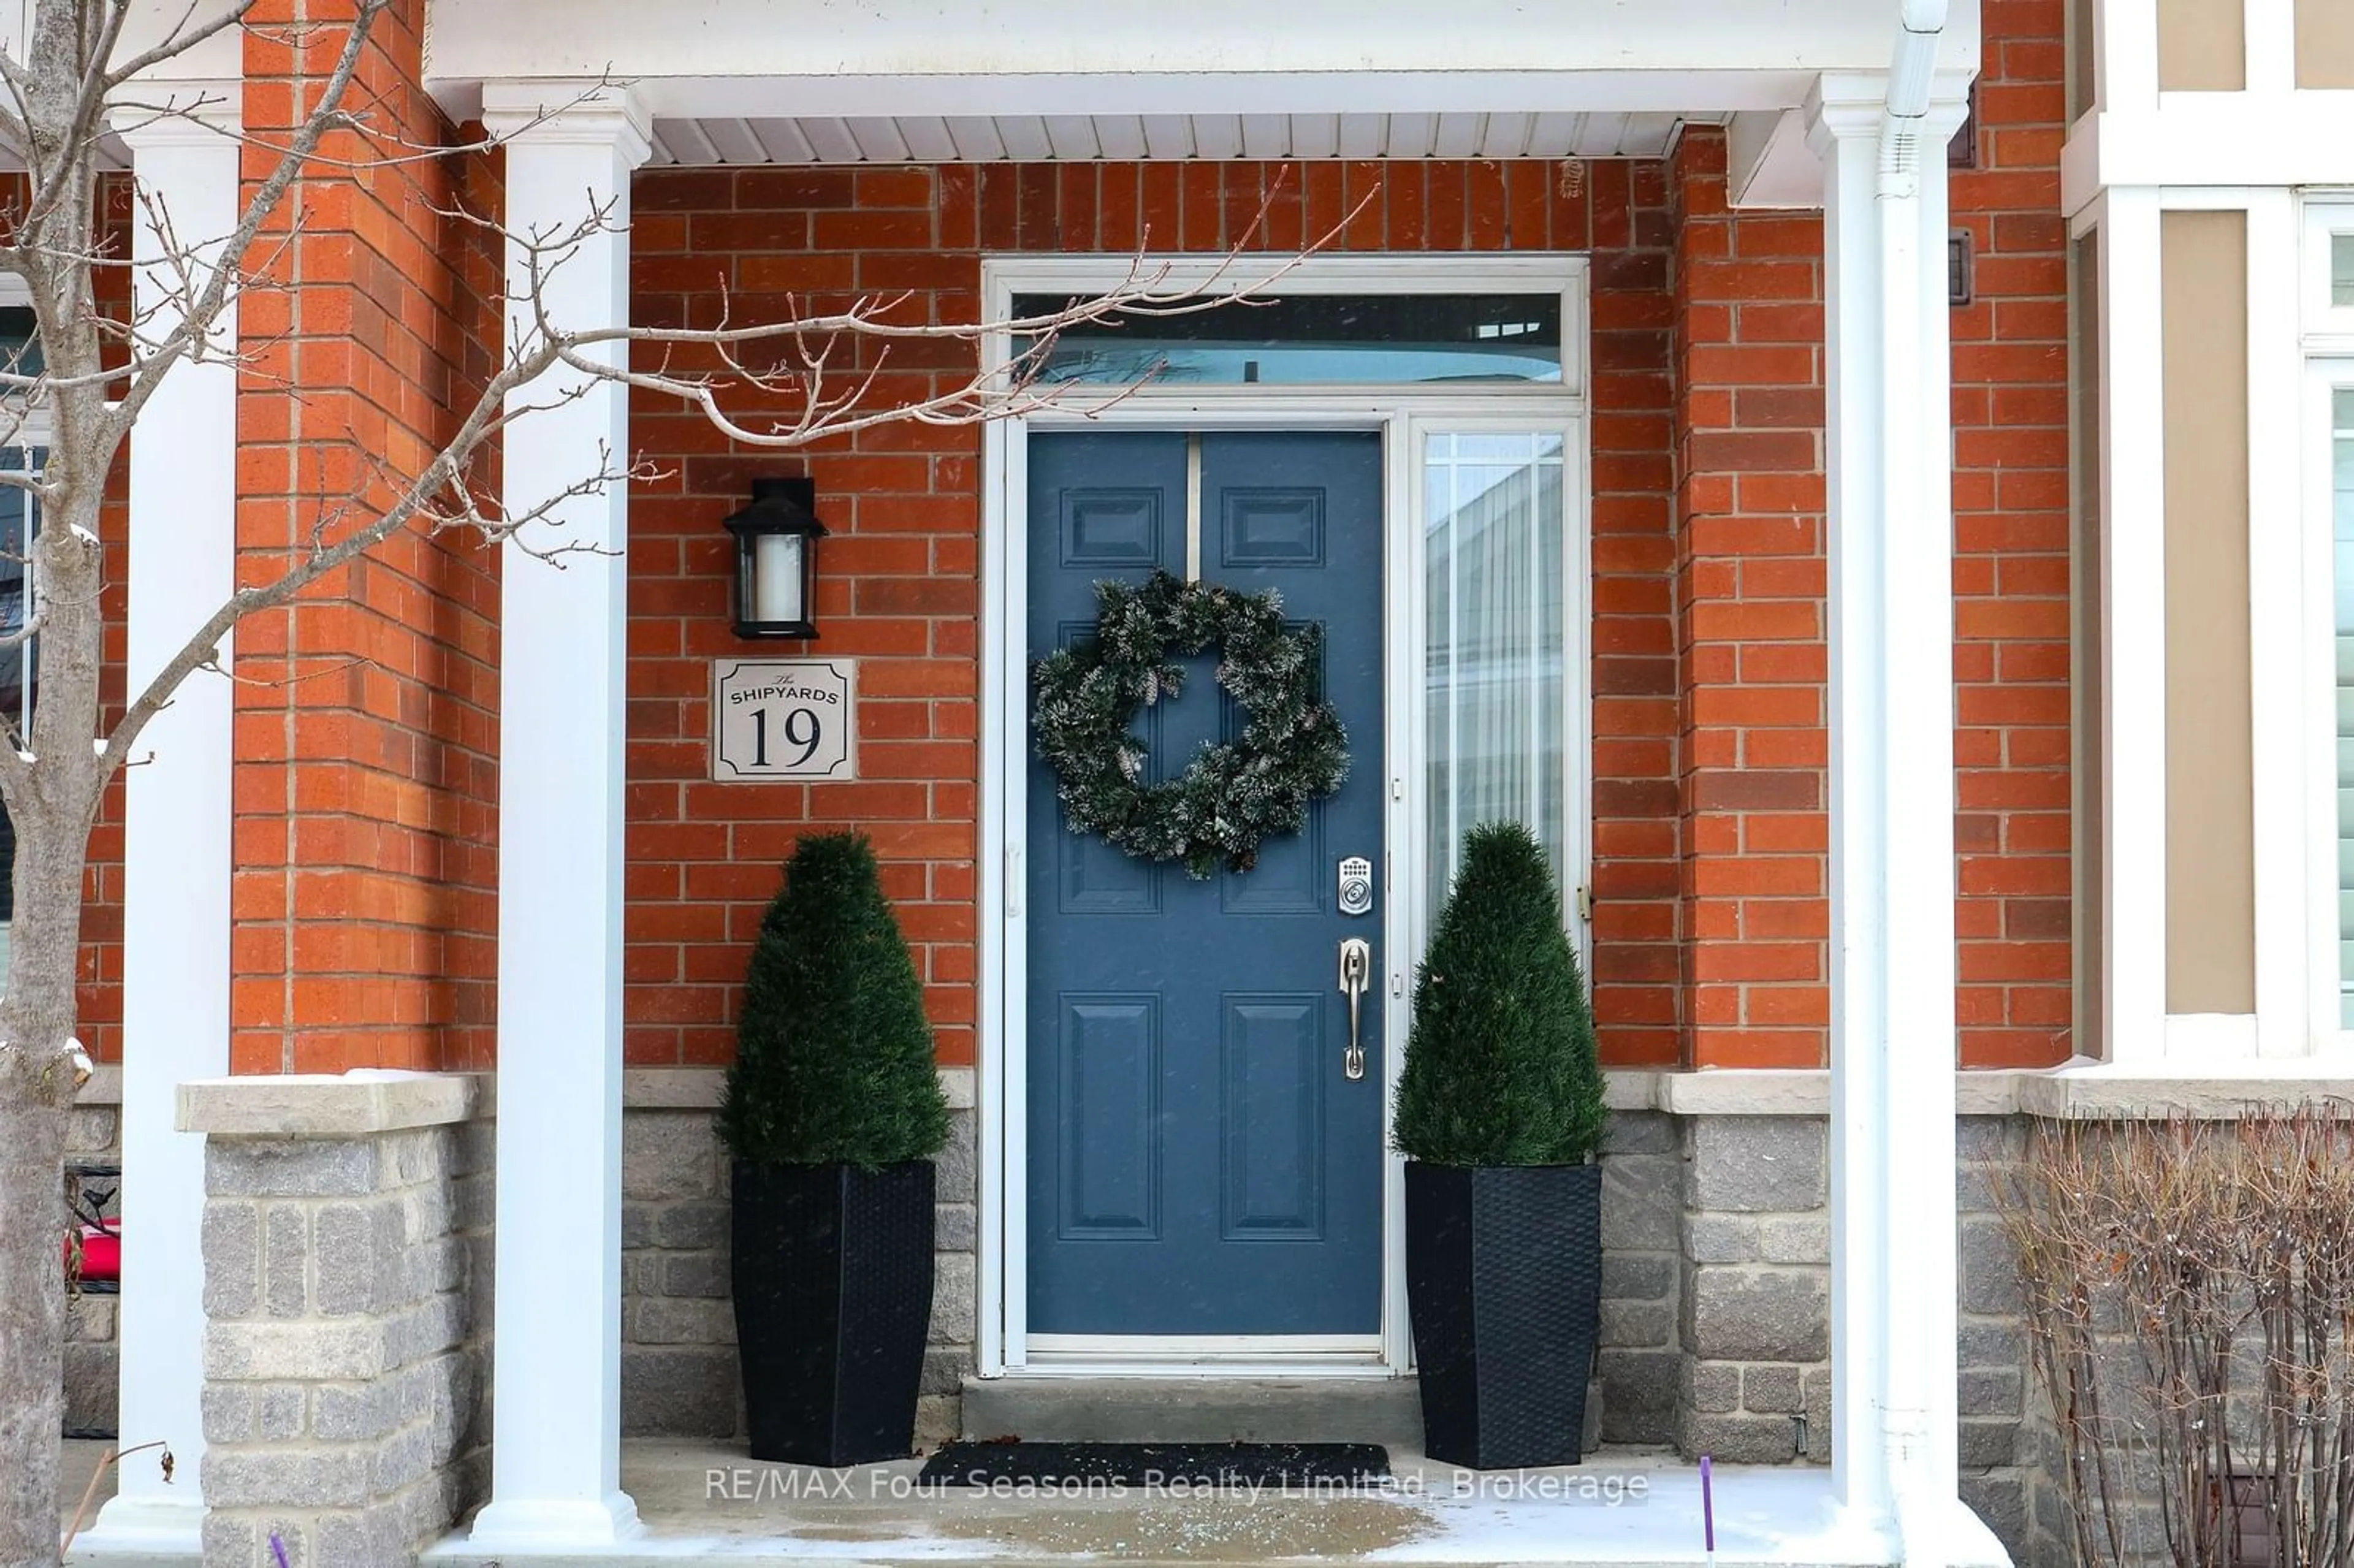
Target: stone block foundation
347 1315
91 1363
679 1375
348 1295
1716 1291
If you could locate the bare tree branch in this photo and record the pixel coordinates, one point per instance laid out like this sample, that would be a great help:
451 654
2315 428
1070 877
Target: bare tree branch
819 371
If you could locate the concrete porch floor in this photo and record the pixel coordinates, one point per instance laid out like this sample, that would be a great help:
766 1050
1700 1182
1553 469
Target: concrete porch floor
705 1501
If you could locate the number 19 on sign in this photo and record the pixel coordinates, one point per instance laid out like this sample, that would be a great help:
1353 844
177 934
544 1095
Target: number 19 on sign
784 718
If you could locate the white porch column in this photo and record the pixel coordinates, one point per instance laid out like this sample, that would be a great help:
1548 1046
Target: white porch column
177 851
556 1467
1893 1271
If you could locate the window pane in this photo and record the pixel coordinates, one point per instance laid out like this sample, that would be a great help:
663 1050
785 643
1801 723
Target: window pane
19 353
2342 497
2342 270
1493 527
1316 339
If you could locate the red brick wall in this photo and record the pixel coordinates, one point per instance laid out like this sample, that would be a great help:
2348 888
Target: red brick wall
98 991
900 577
97 995
1751 585
367 716
2010 571
364 901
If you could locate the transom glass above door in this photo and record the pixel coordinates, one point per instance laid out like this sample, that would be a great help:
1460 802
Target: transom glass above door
1316 340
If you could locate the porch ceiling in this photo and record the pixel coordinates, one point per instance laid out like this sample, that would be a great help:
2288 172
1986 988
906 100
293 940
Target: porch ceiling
1032 138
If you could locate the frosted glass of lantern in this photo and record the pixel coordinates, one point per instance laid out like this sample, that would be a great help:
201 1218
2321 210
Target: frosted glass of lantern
777 578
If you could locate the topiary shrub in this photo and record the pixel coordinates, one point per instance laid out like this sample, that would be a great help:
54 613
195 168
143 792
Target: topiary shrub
1499 1068
833 1055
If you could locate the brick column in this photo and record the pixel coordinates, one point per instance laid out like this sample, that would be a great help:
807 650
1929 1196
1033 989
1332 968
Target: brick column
1750 609
346 1314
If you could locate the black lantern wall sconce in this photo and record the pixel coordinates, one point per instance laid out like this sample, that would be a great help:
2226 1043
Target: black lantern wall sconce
776 559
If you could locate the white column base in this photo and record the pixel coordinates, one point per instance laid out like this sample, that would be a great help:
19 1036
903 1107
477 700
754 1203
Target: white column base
1942 1532
537 1525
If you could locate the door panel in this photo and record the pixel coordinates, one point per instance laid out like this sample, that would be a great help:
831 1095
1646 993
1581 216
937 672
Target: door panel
1198 1162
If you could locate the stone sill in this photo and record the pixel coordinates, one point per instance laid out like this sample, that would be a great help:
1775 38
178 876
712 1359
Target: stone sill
2079 1091
363 1103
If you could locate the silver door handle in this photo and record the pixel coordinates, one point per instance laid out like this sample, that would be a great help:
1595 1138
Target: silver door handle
1356 974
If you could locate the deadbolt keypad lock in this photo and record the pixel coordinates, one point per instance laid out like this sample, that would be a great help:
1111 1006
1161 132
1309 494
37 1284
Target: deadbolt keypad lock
1356 892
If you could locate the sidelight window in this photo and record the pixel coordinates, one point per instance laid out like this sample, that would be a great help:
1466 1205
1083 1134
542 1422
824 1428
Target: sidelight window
1494 527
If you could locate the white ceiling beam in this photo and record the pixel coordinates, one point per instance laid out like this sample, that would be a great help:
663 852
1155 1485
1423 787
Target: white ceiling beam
814 42
1269 93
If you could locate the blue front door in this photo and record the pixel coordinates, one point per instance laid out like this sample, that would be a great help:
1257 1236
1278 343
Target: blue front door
1199 1161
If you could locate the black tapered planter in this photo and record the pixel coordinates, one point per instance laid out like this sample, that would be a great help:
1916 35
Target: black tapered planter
1503 1269
833 1296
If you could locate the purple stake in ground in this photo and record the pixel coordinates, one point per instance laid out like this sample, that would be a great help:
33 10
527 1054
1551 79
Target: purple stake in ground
1707 1505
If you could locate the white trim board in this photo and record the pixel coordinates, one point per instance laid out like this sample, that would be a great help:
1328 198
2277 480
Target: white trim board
1401 414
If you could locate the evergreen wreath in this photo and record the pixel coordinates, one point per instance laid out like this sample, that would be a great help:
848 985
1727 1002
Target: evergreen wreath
1292 751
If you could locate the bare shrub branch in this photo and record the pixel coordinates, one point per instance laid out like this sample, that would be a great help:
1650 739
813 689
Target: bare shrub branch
2190 1297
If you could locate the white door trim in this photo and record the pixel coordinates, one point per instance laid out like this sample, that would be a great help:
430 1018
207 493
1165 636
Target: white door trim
1401 413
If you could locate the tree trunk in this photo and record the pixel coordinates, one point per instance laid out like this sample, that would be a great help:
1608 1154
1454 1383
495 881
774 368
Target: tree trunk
38 1080
34 1108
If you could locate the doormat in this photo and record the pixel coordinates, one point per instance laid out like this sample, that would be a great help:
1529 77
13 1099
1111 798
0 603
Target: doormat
1176 1466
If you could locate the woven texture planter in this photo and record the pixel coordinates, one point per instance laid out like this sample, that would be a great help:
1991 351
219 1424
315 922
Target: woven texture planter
833 1298
1504 1281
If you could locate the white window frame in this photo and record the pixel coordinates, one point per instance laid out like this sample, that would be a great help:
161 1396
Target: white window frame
1403 414
2329 367
2325 376
2326 220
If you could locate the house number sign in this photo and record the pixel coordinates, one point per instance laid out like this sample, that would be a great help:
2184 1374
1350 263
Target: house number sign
784 718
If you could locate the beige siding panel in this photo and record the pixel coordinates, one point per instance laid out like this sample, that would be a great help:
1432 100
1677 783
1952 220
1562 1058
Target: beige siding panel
2211 901
2203 44
2086 576
2083 84
2324 42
